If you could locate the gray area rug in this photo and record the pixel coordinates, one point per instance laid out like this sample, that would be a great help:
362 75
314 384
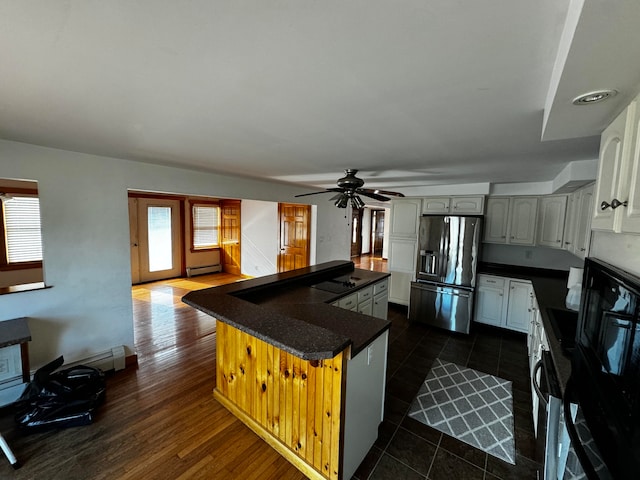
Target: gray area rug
474 407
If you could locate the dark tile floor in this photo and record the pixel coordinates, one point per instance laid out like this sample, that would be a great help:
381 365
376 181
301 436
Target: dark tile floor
407 449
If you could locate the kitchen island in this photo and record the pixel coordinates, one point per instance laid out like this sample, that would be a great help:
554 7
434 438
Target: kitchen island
304 374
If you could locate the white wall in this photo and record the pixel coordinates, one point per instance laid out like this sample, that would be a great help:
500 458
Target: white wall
259 243
85 234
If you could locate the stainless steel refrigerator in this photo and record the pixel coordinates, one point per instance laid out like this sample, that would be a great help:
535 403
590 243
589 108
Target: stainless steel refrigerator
448 254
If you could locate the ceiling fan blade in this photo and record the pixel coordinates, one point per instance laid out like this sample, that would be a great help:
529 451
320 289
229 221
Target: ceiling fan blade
381 192
324 191
312 193
373 195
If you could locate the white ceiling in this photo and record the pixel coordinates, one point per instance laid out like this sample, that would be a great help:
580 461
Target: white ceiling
410 92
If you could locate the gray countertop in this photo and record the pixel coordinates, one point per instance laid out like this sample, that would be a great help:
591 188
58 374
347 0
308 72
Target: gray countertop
285 311
550 289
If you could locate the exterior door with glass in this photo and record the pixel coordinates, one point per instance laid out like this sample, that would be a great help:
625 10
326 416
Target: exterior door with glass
155 239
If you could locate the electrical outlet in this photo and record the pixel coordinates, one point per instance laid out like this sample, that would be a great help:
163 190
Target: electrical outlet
528 254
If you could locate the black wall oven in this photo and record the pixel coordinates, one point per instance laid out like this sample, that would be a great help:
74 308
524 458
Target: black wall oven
605 376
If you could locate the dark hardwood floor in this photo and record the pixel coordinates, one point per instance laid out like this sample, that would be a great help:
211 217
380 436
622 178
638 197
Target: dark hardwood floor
160 420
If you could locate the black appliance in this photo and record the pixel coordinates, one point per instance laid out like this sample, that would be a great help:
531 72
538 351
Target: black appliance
605 378
549 426
342 284
448 253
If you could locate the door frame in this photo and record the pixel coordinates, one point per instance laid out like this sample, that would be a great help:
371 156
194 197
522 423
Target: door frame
135 235
281 236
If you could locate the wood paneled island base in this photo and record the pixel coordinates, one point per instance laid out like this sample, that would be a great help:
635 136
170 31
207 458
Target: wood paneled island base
295 405
304 374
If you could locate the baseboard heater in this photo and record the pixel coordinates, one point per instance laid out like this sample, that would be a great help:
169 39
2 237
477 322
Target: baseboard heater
113 359
193 271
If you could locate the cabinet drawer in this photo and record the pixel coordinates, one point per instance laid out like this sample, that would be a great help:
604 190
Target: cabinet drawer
490 281
380 287
349 302
365 294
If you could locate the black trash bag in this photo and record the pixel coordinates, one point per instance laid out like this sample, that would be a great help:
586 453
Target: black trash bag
66 398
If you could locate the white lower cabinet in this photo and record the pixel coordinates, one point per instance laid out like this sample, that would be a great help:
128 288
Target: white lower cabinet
381 299
503 302
364 403
491 302
372 300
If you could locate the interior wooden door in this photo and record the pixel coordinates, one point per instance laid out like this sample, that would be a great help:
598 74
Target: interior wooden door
159 239
294 236
378 232
230 236
134 240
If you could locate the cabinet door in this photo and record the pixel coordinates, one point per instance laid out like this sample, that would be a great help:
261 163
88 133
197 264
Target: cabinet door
551 220
571 221
435 205
404 217
467 205
366 307
612 146
380 305
400 287
582 236
402 255
496 220
522 224
631 192
518 309
491 301
489 306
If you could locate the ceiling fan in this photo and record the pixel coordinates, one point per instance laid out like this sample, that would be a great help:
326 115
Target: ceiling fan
349 190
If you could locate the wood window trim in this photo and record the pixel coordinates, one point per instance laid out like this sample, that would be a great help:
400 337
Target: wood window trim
211 203
5 266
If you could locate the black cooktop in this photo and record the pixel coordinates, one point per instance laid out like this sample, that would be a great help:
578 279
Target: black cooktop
341 284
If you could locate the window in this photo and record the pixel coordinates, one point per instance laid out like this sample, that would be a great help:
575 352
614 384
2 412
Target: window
21 224
204 226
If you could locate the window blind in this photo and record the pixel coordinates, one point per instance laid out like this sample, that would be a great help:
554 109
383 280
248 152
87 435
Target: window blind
22 229
205 226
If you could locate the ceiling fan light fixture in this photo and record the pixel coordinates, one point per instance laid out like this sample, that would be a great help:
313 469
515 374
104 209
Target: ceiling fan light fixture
349 189
342 202
356 202
594 97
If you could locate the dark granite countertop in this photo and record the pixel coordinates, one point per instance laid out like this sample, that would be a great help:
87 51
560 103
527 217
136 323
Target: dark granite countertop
550 287
285 311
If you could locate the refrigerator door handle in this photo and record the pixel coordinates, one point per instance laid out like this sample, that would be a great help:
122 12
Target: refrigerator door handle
447 291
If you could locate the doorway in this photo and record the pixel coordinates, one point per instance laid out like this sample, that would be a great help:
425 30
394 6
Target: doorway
377 232
356 232
155 239
230 236
295 228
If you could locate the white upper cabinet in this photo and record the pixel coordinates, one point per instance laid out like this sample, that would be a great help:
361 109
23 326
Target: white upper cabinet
617 193
467 205
404 217
436 205
496 220
582 233
511 220
461 205
522 220
551 221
